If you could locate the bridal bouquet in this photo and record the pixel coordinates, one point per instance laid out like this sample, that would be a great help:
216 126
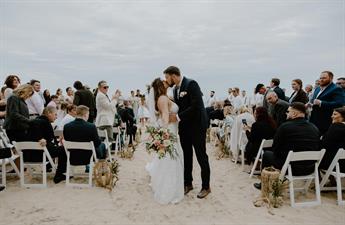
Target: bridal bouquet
161 141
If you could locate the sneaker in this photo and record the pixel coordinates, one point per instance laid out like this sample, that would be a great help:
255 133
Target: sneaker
257 186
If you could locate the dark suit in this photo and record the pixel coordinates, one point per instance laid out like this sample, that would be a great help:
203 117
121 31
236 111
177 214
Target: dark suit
85 97
127 116
42 128
332 141
82 131
297 135
192 129
17 120
280 93
301 96
278 112
332 97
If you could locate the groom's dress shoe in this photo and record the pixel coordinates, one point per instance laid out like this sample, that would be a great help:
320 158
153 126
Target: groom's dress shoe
204 192
187 189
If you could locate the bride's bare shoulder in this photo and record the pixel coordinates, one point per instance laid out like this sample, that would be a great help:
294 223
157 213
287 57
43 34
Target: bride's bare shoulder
163 99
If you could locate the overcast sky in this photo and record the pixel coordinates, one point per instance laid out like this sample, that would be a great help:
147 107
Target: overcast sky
221 44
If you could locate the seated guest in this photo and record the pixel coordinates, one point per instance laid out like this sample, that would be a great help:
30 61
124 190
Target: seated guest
227 123
277 108
334 139
41 128
264 127
80 130
70 116
296 134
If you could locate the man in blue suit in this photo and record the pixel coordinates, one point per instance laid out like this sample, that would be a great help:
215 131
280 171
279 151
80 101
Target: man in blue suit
326 98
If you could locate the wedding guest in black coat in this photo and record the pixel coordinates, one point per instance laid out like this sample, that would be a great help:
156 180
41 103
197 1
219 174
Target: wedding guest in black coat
296 134
127 116
83 96
264 127
298 95
278 108
17 120
41 128
334 139
80 130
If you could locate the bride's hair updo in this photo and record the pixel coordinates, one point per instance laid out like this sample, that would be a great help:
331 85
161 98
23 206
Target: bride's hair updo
158 90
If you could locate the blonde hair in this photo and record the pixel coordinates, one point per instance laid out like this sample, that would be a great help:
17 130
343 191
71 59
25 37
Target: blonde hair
244 109
227 110
24 91
82 110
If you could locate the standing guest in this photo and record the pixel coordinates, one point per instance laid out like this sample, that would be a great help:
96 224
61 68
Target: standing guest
69 117
246 100
35 103
260 91
135 104
211 100
275 82
298 94
230 96
85 97
11 82
334 139
264 127
54 101
17 121
70 95
138 94
309 91
236 100
326 98
106 109
143 112
298 135
341 83
46 96
127 116
278 107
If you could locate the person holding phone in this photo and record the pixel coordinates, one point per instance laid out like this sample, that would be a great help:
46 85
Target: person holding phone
264 127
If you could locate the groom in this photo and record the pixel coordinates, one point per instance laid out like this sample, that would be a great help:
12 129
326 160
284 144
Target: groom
192 127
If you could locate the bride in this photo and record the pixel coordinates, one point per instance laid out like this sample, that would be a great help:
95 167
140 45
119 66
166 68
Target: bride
166 174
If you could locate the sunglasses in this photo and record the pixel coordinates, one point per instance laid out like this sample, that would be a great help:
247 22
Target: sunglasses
105 87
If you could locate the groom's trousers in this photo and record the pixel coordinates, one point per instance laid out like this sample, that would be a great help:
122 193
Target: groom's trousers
196 139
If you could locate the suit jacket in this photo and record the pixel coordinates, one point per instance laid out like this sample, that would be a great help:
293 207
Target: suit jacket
127 116
280 93
332 141
42 128
300 97
192 111
17 114
106 110
279 111
332 97
297 135
85 97
81 131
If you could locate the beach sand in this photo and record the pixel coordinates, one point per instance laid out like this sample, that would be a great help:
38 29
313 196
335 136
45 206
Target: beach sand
131 202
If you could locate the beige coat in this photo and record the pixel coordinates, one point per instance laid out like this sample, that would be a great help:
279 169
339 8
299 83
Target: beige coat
105 110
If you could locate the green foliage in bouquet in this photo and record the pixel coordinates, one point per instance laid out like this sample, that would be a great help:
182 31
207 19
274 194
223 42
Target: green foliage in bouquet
161 141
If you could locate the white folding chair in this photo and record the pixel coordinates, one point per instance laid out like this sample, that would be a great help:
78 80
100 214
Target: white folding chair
300 156
4 162
242 146
85 146
33 146
118 144
337 175
264 144
104 134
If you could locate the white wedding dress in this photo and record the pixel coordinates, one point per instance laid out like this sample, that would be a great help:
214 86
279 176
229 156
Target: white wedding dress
167 174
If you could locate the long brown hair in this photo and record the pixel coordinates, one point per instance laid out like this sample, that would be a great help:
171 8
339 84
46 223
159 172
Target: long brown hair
158 90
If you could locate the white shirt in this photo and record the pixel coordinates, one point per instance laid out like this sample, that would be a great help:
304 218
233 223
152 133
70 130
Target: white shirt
259 99
237 102
67 119
35 104
210 102
69 99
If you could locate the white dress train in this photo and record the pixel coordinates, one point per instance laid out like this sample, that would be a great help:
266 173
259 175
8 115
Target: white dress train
167 174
